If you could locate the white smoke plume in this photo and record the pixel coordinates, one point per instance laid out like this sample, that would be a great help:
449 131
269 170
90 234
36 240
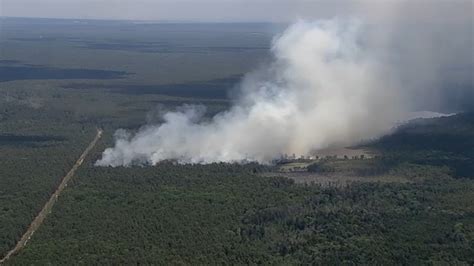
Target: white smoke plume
323 88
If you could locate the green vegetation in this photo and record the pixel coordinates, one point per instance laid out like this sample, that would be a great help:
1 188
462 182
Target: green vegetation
379 167
46 122
422 148
225 214
44 130
206 214
221 213
32 163
444 141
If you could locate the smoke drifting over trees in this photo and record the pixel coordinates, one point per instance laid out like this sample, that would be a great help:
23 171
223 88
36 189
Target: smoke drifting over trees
322 89
331 82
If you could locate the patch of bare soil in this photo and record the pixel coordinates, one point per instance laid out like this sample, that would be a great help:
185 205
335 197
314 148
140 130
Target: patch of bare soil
336 179
341 152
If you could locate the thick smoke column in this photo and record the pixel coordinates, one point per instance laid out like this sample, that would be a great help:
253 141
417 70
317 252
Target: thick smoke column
322 89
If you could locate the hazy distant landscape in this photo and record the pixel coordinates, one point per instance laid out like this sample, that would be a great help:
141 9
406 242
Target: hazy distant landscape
403 198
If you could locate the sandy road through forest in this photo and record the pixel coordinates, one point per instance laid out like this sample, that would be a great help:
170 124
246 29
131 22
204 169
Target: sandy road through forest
38 220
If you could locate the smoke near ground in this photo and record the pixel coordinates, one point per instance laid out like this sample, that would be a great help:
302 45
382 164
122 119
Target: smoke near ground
331 83
322 89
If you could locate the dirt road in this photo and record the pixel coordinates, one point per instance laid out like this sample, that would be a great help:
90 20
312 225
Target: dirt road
52 200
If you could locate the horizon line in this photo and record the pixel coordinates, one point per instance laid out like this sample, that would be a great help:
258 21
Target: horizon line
146 20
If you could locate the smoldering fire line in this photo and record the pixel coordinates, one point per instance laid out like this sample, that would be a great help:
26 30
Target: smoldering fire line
321 89
331 82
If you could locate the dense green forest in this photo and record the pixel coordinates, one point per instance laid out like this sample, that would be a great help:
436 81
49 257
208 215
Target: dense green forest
44 130
224 213
33 159
445 141
55 91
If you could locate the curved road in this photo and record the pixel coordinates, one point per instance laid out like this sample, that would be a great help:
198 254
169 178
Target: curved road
52 200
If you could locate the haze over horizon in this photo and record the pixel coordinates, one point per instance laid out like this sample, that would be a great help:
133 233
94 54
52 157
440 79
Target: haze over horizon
381 58
236 132
237 10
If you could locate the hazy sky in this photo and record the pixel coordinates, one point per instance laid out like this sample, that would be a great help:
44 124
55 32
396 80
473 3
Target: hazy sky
201 10
216 10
